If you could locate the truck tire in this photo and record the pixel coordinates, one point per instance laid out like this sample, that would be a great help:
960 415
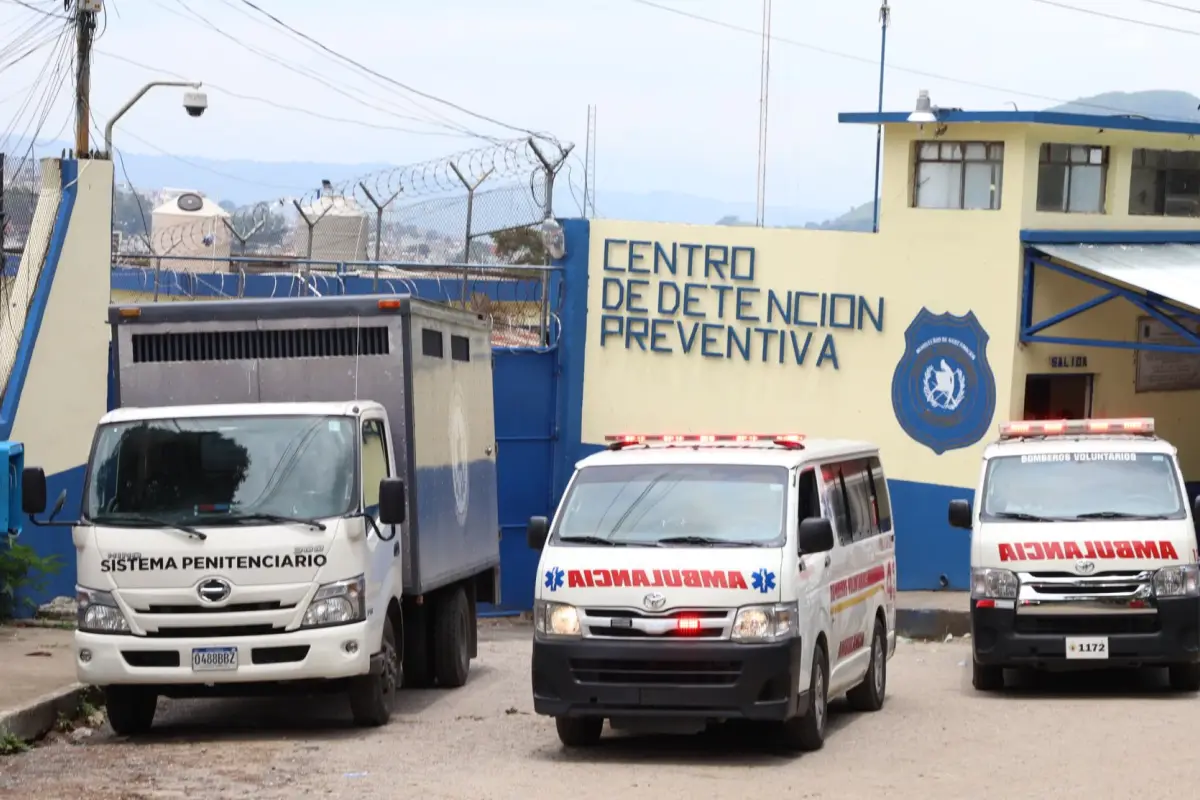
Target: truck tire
869 695
452 621
371 696
579 731
807 733
1184 677
130 709
986 678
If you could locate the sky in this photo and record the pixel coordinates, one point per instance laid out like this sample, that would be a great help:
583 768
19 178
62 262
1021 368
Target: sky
677 98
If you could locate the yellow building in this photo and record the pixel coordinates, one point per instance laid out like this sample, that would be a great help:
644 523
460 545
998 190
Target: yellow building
1027 264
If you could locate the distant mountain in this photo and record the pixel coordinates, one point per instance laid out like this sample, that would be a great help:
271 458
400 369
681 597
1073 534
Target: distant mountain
1155 103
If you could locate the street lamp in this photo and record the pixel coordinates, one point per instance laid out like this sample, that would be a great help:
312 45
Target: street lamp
194 103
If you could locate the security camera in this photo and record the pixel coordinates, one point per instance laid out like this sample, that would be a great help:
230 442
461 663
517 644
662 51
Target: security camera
195 103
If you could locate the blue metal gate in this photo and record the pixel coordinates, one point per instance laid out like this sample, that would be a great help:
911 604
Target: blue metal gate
525 394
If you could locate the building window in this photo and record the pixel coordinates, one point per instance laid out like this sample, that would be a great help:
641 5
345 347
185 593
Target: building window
958 175
1072 178
1165 183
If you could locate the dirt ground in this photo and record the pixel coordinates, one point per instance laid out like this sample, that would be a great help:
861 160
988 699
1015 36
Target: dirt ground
1094 736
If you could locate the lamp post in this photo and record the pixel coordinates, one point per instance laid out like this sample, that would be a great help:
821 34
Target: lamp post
194 103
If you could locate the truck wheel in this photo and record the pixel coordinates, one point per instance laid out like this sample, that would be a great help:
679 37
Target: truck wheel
579 731
371 696
130 709
986 678
452 621
868 695
1184 677
807 733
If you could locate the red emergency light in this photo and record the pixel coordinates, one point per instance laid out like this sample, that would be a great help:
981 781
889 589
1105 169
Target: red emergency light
1077 427
789 440
687 624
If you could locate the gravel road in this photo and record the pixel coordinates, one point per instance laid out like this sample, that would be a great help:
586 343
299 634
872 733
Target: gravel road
1095 736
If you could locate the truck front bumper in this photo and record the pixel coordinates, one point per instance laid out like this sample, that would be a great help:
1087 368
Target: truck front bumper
321 653
667 679
1004 638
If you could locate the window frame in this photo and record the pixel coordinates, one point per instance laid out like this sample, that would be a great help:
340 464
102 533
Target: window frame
1160 188
996 163
362 449
1046 159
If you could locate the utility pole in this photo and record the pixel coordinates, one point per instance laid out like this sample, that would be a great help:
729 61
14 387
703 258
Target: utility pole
85 27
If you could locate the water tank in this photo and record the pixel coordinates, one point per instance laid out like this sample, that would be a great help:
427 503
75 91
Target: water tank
189 224
340 229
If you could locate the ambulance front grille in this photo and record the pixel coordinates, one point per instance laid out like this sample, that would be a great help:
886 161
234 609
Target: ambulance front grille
1076 625
642 672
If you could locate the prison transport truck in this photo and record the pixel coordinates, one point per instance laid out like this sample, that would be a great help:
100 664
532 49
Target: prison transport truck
293 494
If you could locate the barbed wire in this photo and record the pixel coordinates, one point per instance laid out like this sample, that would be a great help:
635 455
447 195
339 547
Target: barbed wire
423 212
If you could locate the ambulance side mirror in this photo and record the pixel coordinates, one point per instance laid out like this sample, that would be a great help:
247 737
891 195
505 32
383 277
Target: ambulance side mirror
815 535
1196 509
536 532
960 514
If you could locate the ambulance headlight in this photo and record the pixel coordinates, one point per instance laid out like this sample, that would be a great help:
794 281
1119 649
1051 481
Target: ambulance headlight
1000 584
755 624
1180 581
337 603
98 612
556 619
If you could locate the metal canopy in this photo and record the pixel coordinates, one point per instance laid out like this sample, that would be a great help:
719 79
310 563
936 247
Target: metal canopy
1163 280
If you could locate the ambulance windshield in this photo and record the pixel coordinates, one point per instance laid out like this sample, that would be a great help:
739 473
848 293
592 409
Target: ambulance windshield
222 470
676 505
1082 486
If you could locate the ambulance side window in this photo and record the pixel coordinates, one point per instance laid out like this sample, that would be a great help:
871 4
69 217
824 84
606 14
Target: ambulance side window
835 491
879 494
808 499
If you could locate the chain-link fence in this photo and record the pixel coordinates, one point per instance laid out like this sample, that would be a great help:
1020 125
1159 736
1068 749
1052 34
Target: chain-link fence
478 206
20 182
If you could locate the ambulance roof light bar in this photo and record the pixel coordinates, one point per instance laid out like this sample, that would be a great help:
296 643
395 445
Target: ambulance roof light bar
792 441
1077 427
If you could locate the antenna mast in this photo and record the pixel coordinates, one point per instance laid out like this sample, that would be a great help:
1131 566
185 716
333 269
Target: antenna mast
764 90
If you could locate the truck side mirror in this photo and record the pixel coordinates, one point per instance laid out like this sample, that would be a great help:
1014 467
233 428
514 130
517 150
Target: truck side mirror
33 490
391 501
960 514
815 535
536 532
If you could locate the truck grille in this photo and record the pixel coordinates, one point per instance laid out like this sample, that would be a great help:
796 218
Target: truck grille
214 631
635 671
260 344
229 609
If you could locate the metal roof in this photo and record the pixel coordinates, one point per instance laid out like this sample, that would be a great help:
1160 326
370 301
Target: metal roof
1119 122
1169 270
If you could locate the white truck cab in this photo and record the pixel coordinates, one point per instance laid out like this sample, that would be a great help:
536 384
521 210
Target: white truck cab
1083 552
700 578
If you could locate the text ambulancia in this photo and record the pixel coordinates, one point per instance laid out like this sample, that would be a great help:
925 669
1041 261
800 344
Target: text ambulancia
1083 552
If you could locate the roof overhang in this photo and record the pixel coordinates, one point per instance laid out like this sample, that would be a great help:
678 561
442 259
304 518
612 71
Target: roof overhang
1118 122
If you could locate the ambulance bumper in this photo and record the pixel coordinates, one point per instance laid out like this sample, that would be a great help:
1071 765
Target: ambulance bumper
318 653
667 679
1002 637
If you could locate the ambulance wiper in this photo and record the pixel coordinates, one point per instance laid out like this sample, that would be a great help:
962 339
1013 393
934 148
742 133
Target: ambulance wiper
259 516
142 521
1117 515
1021 515
703 540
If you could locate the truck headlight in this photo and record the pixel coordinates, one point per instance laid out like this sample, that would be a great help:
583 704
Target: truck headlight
98 612
556 619
756 624
1180 581
337 603
999 584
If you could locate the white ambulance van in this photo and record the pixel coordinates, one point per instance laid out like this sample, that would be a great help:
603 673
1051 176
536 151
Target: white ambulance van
689 579
1083 552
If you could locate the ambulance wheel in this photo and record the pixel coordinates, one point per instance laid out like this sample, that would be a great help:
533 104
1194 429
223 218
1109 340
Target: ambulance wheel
371 696
452 621
986 678
807 733
868 695
1184 677
130 709
579 731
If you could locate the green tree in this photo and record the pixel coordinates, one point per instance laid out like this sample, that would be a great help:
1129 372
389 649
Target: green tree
520 246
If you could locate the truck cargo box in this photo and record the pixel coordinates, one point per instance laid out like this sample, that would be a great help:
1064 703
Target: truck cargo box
428 365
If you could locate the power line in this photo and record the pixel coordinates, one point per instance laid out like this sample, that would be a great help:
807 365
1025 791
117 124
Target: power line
228 175
34 8
279 105
875 62
1176 6
1118 18
391 80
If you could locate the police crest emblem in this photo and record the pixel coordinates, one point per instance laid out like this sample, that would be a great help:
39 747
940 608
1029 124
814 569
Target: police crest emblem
943 389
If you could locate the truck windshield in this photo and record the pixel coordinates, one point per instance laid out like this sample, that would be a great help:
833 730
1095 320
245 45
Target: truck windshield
684 504
219 469
1082 486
